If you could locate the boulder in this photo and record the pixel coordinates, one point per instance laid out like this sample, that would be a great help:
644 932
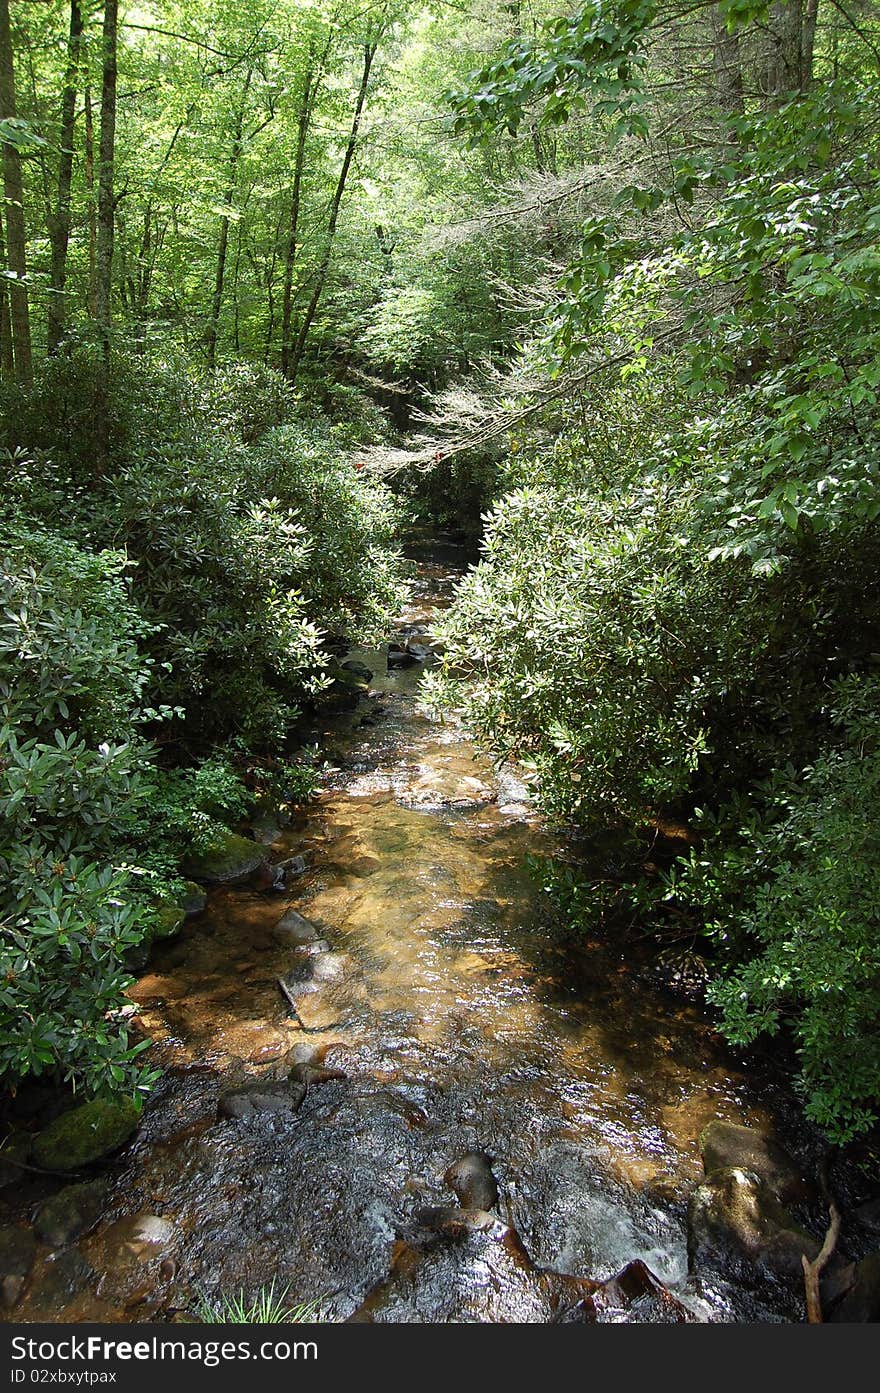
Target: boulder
167 920
868 1215
228 860
194 899
359 672
862 1300
17 1252
726 1145
256 1097
71 1213
736 1226
85 1134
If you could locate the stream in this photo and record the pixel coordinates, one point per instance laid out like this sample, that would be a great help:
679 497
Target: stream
459 1022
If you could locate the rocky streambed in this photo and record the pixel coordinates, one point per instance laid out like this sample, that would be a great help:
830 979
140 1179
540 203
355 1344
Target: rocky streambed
390 1089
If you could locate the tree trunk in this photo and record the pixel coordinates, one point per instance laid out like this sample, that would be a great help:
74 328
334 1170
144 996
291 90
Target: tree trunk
16 239
92 213
223 244
105 231
106 151
789 66
727 67
59 224
320 280
293 227
7 359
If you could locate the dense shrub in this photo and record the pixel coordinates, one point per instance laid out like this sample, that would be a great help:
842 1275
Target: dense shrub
71 681
167 585
637 665
787 881
245 554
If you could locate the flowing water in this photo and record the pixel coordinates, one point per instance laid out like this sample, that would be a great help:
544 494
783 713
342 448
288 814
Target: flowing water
461 1022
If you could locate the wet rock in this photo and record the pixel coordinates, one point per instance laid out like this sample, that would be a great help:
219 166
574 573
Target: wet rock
16 1148
71 1213
725 1144
142 1235
85 1134
227 861
737 1226
294 929
399 656
328 967
17 1252
868 1215
257 1098
473 1182
636 1290
130 1255
277 877
359 671
455 1221
419 651
862 1301
57 1282
312 1074
193 899
345 690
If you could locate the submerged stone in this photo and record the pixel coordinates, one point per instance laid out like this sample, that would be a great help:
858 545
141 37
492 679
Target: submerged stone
294 929
17 1252
85 1134
71 1213
258 1097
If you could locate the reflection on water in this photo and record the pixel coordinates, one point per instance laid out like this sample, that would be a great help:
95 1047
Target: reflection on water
460 1024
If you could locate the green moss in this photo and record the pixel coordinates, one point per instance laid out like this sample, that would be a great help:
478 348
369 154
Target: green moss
229 858
194 898
85 1134
168 920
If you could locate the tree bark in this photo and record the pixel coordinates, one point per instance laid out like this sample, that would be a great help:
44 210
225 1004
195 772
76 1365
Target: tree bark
789 67
59 223
7 359
106 154
92 208
223 244
305 111
727 67
16 239
320 280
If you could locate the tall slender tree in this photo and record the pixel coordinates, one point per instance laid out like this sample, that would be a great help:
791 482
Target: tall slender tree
16 238
59 220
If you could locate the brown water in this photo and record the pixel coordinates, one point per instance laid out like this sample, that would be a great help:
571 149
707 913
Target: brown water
461 1022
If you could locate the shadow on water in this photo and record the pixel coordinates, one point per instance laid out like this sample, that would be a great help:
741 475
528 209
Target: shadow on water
460 1025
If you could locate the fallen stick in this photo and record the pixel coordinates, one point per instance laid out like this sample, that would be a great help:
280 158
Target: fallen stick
813 1270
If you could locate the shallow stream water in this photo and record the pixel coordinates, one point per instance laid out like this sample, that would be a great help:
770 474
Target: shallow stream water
461 1023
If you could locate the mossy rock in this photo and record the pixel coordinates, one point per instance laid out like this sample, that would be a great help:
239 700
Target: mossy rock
193 900
168 920
229 859
85 1134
